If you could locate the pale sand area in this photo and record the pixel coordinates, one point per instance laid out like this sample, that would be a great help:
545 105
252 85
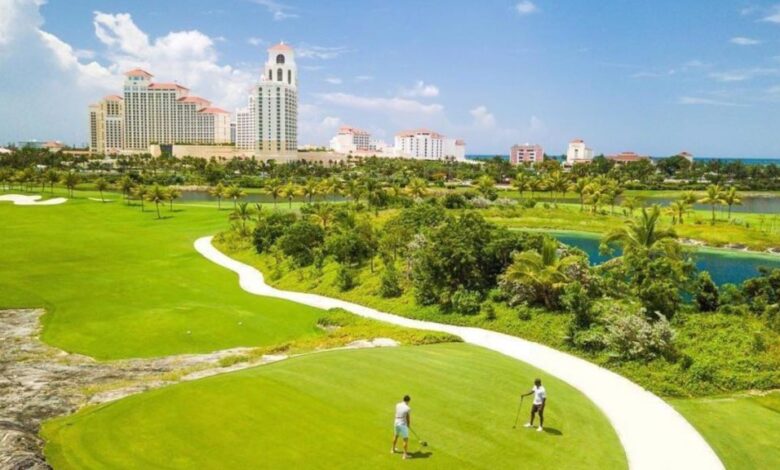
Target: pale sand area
653 434
25 200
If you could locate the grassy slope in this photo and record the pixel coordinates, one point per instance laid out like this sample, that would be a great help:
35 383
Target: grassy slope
761 234
744 431
334 410
119 283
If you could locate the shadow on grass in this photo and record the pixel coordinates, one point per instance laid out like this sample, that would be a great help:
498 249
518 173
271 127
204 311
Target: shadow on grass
553 431
420 455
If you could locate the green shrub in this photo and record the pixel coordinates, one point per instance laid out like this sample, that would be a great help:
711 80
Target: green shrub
390 284
345 278
466 301
489 311
634 337
706 293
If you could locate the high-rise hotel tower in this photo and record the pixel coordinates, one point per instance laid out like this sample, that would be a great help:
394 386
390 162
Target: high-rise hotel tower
272 112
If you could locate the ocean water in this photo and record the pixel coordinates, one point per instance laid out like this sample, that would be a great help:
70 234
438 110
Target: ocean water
744 160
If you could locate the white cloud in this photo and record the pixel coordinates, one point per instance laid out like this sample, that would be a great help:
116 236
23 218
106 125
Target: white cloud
255 41
526 7
667 73
744 74
319 52
743 41
89 75
189 57
333 80
363 78
695 63
278 10
422 89
400 105
315 125
483 118
694 100
536 125
774 16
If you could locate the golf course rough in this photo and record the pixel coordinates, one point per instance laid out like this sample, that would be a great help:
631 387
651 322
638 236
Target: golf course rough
654 435
335 410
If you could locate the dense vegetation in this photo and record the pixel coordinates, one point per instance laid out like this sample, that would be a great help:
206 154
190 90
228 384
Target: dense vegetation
646 313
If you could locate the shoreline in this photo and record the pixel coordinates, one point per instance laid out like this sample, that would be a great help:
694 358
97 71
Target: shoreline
698 244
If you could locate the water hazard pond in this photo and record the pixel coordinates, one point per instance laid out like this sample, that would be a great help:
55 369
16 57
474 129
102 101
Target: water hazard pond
725 266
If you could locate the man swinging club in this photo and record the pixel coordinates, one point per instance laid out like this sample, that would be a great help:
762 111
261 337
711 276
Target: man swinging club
401 424
540 398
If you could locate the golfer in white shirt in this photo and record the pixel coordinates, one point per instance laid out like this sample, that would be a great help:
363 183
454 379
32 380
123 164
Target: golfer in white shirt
401 425
540 399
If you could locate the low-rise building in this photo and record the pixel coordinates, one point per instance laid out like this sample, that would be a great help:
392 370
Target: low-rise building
428 145
351 140
526 153
624 158
578 152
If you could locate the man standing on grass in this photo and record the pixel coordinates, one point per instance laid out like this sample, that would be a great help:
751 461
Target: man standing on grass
540 398
402 422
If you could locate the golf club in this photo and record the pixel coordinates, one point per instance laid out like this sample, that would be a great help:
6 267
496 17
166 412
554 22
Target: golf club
520 405
422 443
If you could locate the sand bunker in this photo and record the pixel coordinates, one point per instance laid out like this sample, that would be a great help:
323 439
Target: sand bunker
23 200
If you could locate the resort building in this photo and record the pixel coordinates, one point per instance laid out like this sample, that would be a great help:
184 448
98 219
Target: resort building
272 112
106 125
578 152
428 145
527 153
166 113
154 113
351 140
624 158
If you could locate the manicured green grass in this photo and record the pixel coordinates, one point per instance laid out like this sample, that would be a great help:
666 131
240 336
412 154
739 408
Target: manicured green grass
744 431
755 231
117 283
335 410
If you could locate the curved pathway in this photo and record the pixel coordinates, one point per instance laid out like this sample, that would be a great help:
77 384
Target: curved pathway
654 435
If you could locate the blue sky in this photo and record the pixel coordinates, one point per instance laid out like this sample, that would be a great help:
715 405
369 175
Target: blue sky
653 77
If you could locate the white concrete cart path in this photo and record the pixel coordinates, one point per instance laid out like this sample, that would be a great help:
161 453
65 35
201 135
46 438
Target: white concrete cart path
654 435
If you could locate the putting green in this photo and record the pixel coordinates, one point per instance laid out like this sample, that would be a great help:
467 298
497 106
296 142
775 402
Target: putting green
117 283
744 431
334 410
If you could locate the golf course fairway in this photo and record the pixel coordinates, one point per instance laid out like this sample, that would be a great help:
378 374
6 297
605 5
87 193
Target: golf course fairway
741 429
118 283
335 410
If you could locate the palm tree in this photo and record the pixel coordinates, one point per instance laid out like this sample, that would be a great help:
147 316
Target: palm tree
417 188
595 193
6 177
631 203
485 185
678 210
731 198
713 197
126 185
579 187
689 197
157 195
218 192
274 188
557 183
310 188
70 180
172 195
520 183
101 185
544 269
642 237
324 213
535 184
235 193
242 214
52 176
354 189
289 191
140 193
